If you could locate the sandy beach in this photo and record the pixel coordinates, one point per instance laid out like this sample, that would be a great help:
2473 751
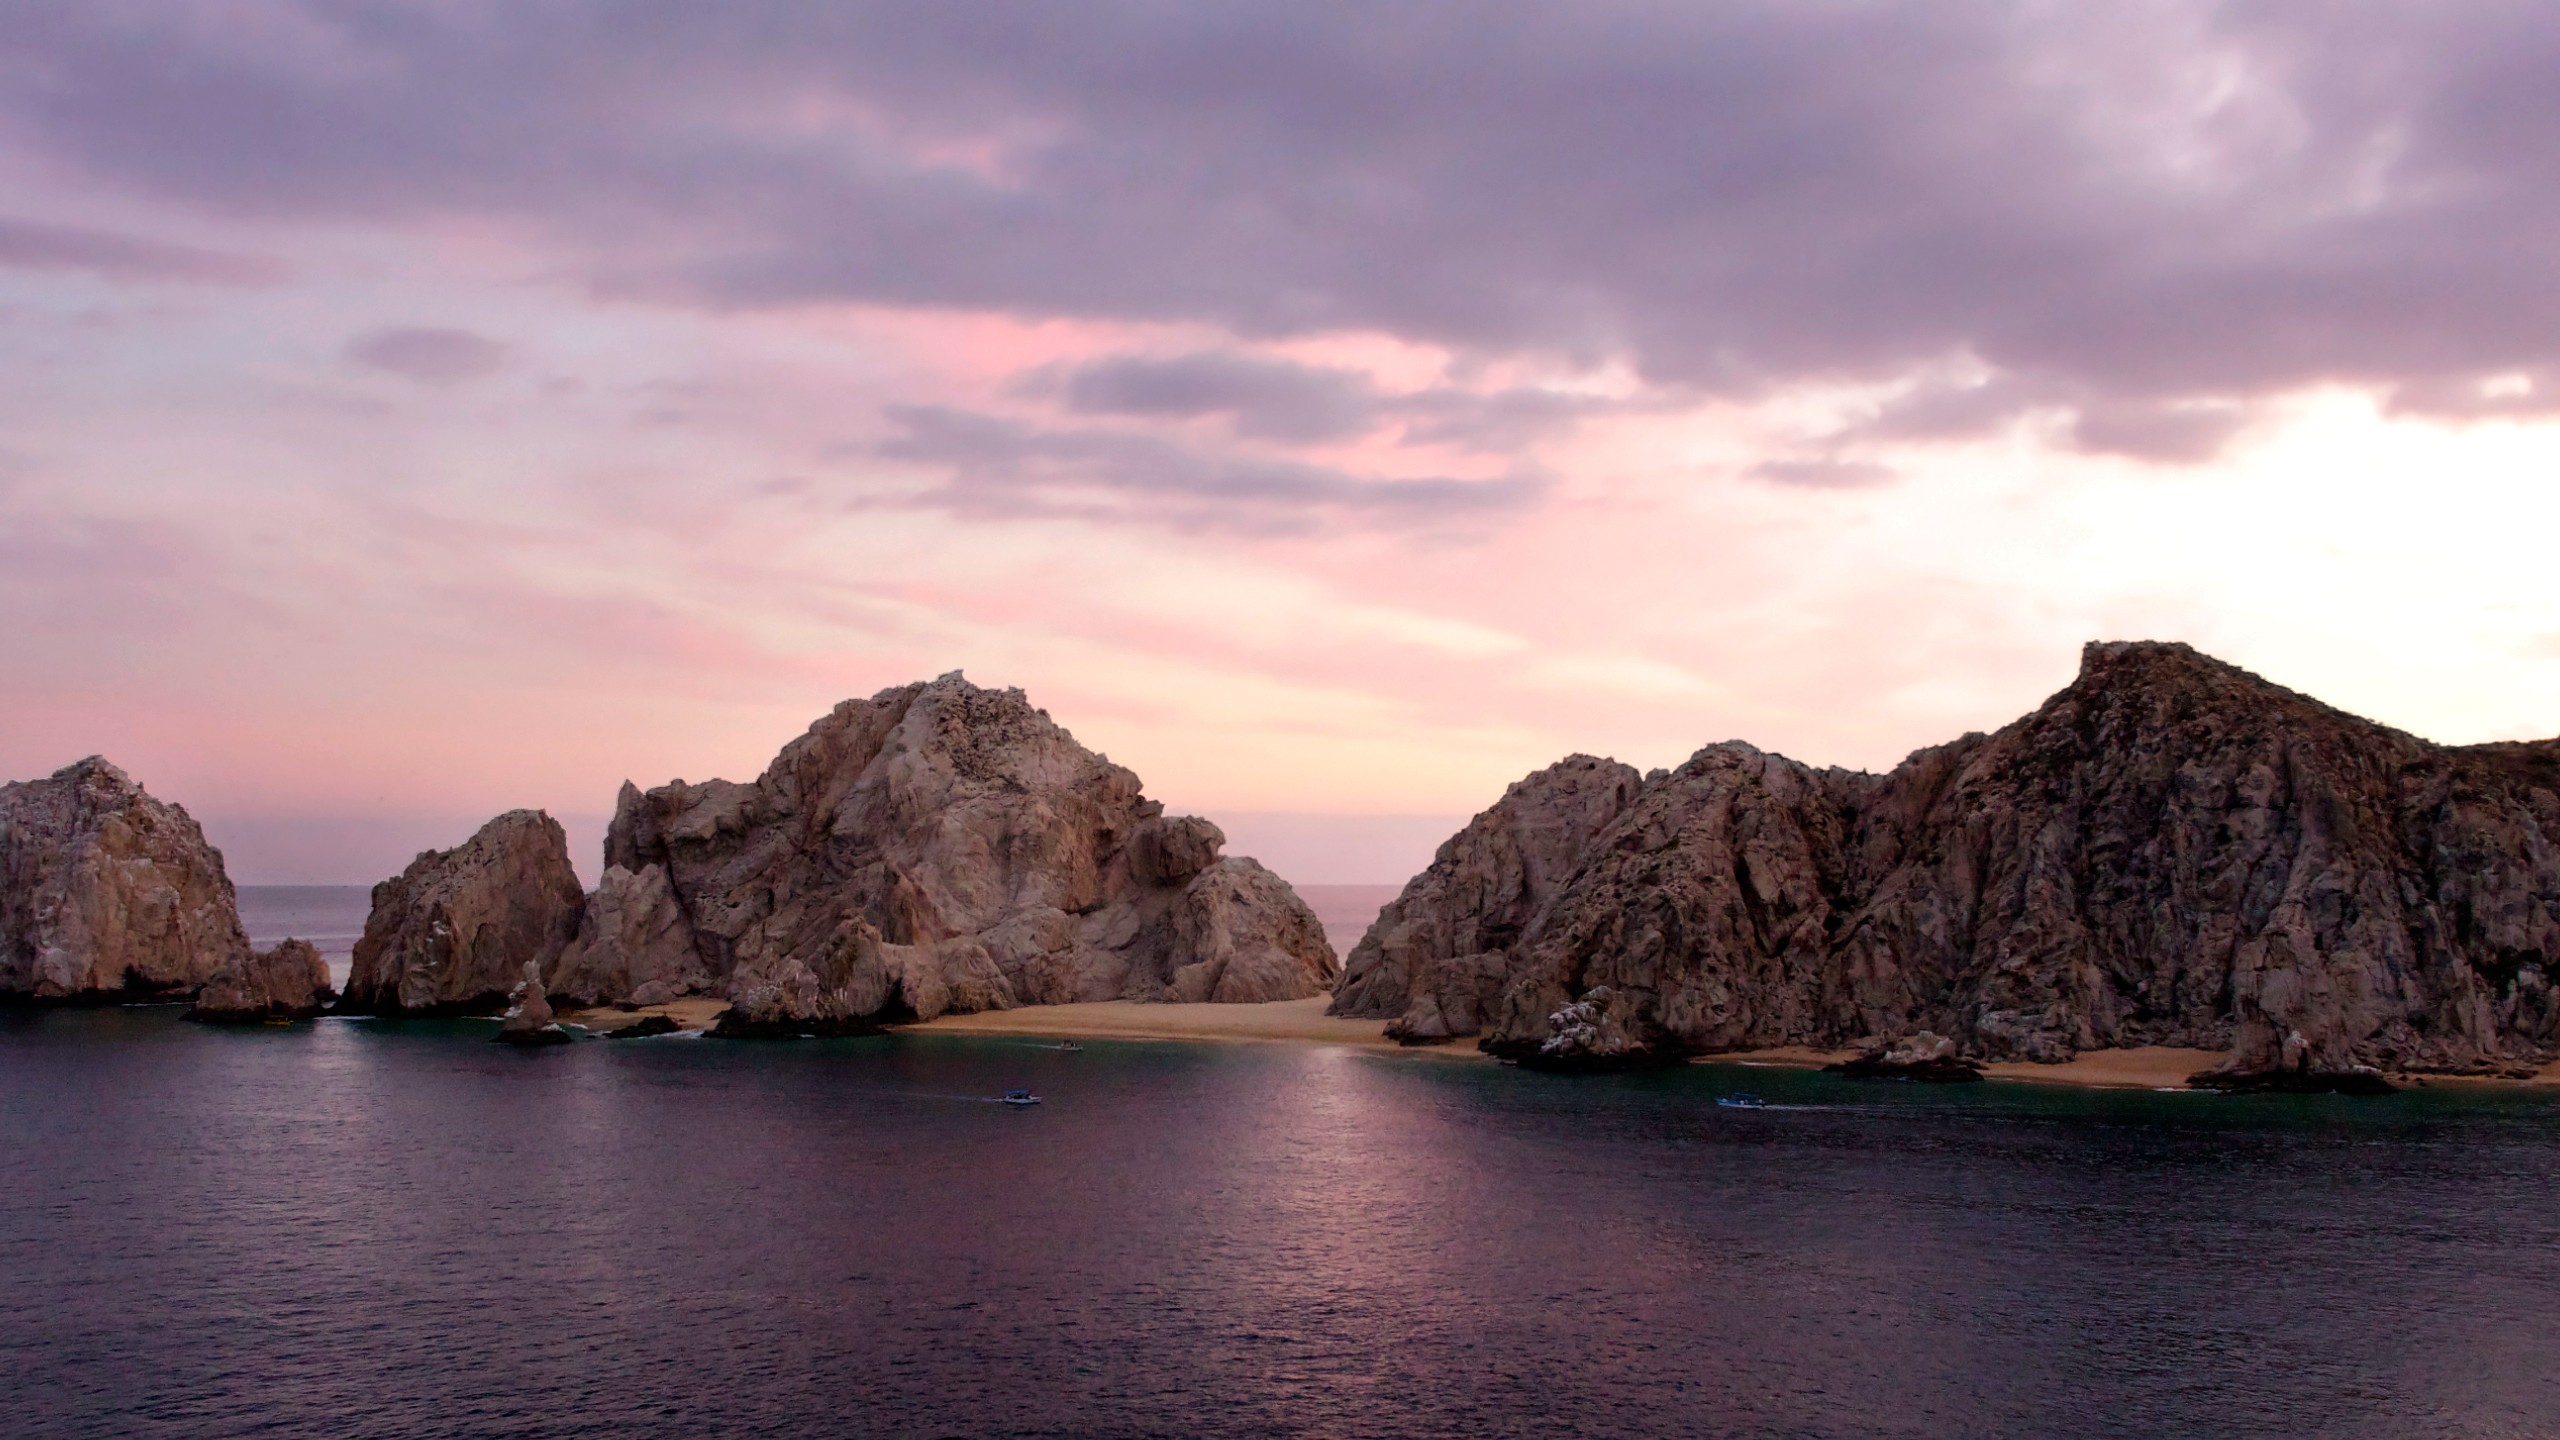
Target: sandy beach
1302 1021
2149 1067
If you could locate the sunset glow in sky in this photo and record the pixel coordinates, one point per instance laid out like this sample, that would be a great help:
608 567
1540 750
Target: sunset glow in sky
413 410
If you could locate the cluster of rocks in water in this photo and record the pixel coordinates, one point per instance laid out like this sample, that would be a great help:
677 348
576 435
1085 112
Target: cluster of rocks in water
936 849
2170 852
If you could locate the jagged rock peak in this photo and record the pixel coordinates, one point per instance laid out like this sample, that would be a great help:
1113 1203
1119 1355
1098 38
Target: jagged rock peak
2169 851
451 934
940 846
107 892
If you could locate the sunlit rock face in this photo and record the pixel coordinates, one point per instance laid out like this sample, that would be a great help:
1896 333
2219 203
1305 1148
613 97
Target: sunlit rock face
939 848
2171 851
108 893
451 934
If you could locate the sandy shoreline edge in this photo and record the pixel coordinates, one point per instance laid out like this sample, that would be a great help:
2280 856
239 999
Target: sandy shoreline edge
2150 1067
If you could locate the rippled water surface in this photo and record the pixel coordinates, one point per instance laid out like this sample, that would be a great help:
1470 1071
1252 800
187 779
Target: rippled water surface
400 1230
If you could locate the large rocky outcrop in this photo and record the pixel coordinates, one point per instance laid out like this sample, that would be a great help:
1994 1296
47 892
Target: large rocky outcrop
2171 851
289 982
936 848
1438 957
451 934
107 893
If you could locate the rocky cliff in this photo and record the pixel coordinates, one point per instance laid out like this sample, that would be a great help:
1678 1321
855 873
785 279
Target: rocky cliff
2171 851
935 848
451 934
107 893
289 982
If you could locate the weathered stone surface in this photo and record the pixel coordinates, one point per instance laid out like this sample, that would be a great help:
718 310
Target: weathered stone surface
1436 961
634 944
530 1021
1925 1057
107 893
2171 851
943 848
451 934
289 982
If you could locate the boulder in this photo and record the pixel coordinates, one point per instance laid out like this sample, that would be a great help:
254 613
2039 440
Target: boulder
944 848
289 982
2170 851
451 934
107 893
1924 1057
529 1021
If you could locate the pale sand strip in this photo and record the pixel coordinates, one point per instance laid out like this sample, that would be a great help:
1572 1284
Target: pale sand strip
2149 1067
692 1014
1303 1021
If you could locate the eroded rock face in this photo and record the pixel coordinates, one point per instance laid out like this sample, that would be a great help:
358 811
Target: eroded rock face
289 982
941 848
2171 851
1438 958
451 934
634 945
107 893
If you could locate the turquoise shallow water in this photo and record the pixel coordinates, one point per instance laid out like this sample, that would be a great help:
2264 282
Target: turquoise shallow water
396 1229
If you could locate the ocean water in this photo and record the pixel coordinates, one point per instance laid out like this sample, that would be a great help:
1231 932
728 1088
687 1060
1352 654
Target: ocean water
401 1230
331 917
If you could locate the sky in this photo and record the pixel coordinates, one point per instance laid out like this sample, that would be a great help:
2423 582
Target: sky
410 411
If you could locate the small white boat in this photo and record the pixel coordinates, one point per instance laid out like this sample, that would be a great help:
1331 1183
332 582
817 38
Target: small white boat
1020 1098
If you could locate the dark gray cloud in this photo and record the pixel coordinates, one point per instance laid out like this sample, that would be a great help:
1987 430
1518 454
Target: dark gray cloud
992 466
34 245
1266 399
2165 210
427 354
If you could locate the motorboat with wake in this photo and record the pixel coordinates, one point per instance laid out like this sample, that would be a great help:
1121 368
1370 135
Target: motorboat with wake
1018 1098
1742 1100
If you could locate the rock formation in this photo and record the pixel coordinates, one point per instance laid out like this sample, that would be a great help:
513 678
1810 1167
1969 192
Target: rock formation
289 982
634 945
936 848
451 934
529 1021
1438 957
2171 851
107 893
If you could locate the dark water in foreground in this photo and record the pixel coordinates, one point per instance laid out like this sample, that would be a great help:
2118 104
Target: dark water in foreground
397 1230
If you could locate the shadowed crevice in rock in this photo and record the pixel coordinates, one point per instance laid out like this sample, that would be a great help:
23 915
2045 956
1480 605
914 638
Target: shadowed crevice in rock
2171 851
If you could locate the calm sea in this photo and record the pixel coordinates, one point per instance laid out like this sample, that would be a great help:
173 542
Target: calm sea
401 1230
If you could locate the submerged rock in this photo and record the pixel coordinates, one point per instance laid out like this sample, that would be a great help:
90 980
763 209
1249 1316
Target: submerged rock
289 982
107 893
451 934
644 1027
529 1021
2170 851
935 849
